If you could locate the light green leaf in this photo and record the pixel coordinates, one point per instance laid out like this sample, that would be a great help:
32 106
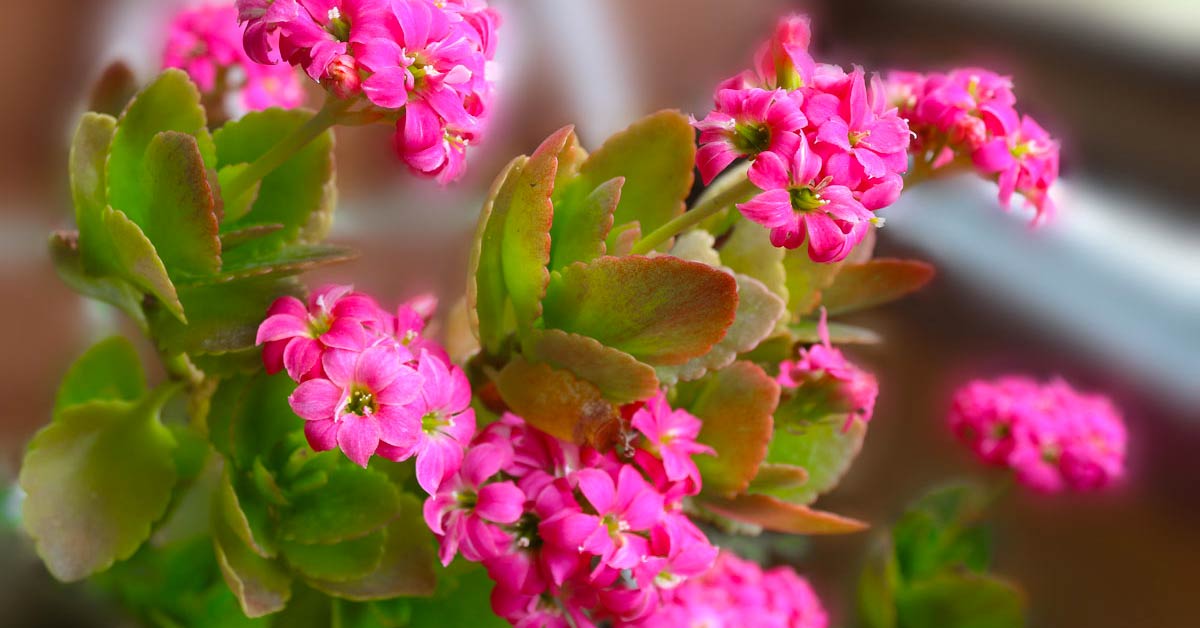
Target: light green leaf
839 333
618 376
234 209
877 585
109 371
580 229
246 513
963 600
230 240
354 503
815 443
95 480
337 562
748 250
878 281
697 246
180 219
660 310
293 259
138 261
488 306
89 152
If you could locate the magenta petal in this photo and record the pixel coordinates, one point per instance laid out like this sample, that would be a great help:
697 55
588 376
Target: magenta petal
872 164
345 333
434 509
387 88
300 356
339 365
273 356
835 132
316 399
377 367
500 502
400 427
883 193
993 156
321 435
358 436
280 326
403 390
713 158
769 171
770 209
597 486
432 464
824 238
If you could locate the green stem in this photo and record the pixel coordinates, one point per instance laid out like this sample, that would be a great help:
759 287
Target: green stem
737 192
179 368
335 613
290 145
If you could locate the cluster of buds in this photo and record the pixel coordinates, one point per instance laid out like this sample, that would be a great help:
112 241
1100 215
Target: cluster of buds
205 42
420 63
823 367
970 114
573 536
1050 435
369 382
737 592
826 149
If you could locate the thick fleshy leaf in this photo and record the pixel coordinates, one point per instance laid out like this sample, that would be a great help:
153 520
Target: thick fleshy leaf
462 599
262 586
839 333
407 564
114 89
230 240
942 532
697 246
806 279
299 194
618 376
109 371
735 405
877 585
815 443
180 218
118 292
878 281
525 244
138 261
748 250
170 103
775 477
660 310
222 317
559 403
354 503
580 228
95 480
964 600
249 416
779 516
233 209
89 154
337 562
656 156
487 297
292 259
246 512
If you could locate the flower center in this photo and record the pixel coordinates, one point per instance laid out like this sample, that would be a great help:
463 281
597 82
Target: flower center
466 500
338 25
805 199
434 421
614 525
751 139
857 136
361 402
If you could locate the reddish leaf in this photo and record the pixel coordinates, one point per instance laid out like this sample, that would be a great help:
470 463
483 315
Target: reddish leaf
860 286
558 403
620 377
780 516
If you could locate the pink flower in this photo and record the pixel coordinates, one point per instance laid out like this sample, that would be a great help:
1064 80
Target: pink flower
744 123
623 505
365 398
262 19
295 336
205 42
1023 157
671 437
783 61
464 513
858 139
823 364
796 206
446 425
429 146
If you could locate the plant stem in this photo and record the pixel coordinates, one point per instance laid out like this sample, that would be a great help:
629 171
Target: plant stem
737 192
290 145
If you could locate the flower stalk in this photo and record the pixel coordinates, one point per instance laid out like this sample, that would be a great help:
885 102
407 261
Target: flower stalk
737 192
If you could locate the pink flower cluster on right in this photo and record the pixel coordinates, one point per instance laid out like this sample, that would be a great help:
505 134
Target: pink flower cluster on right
737 592
1052 436
970 113
573 536
826 149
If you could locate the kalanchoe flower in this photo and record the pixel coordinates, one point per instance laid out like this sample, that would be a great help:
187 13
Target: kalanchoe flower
204 41
294 336
1050 435
744 123
670 436
464 513
783 61
822 364
1023 158
858 138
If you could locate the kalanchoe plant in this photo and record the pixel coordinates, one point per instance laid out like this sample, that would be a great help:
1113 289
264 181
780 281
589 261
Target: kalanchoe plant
636 376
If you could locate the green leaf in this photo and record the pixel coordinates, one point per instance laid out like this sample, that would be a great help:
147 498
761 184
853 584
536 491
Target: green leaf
181 219
774 477
780 516
89 153
234 209
735 405
839 333
262 586
462 599
942 532
559 403
299 194
170 103
354 503
816 444
222 317
250 415
860 286
64 251
95 480
748 250
109 371
337 562
138 261
246 513
488 307
407 565
230 240
961 601
697 246
877 586
660 310
806 279
244 263
656 156
580 229
618 375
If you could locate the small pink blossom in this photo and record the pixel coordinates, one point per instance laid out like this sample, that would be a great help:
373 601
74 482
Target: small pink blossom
783 61
859 140
294 336
823 364
671 437
744 123
464 513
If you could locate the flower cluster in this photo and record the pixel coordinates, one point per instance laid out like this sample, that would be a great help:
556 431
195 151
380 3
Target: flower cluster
1050 435
420 63
822 365
369 382
970 113
205 42
573 536
825 148
737 592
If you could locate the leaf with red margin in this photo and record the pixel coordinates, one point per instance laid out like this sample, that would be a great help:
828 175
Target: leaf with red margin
780 516
580 228
559 403
735 404
618 375
860 286
487 298
660 310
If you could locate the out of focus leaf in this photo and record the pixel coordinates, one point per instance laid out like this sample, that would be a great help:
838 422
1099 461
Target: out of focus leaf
246 512
488 305
250 233
109 371
222 317
290 260
354 503
735 405
462 599
114 89
559 403
749 251
780 516
860 286
775 477
839 333
877 586
660 310
618 376
262 586
89 154
942 532
115 291
964 600
337 562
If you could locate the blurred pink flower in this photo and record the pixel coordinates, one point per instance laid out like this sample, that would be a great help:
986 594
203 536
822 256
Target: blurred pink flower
823 364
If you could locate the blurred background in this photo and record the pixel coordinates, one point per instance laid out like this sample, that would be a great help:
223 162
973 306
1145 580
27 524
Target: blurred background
1108 296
